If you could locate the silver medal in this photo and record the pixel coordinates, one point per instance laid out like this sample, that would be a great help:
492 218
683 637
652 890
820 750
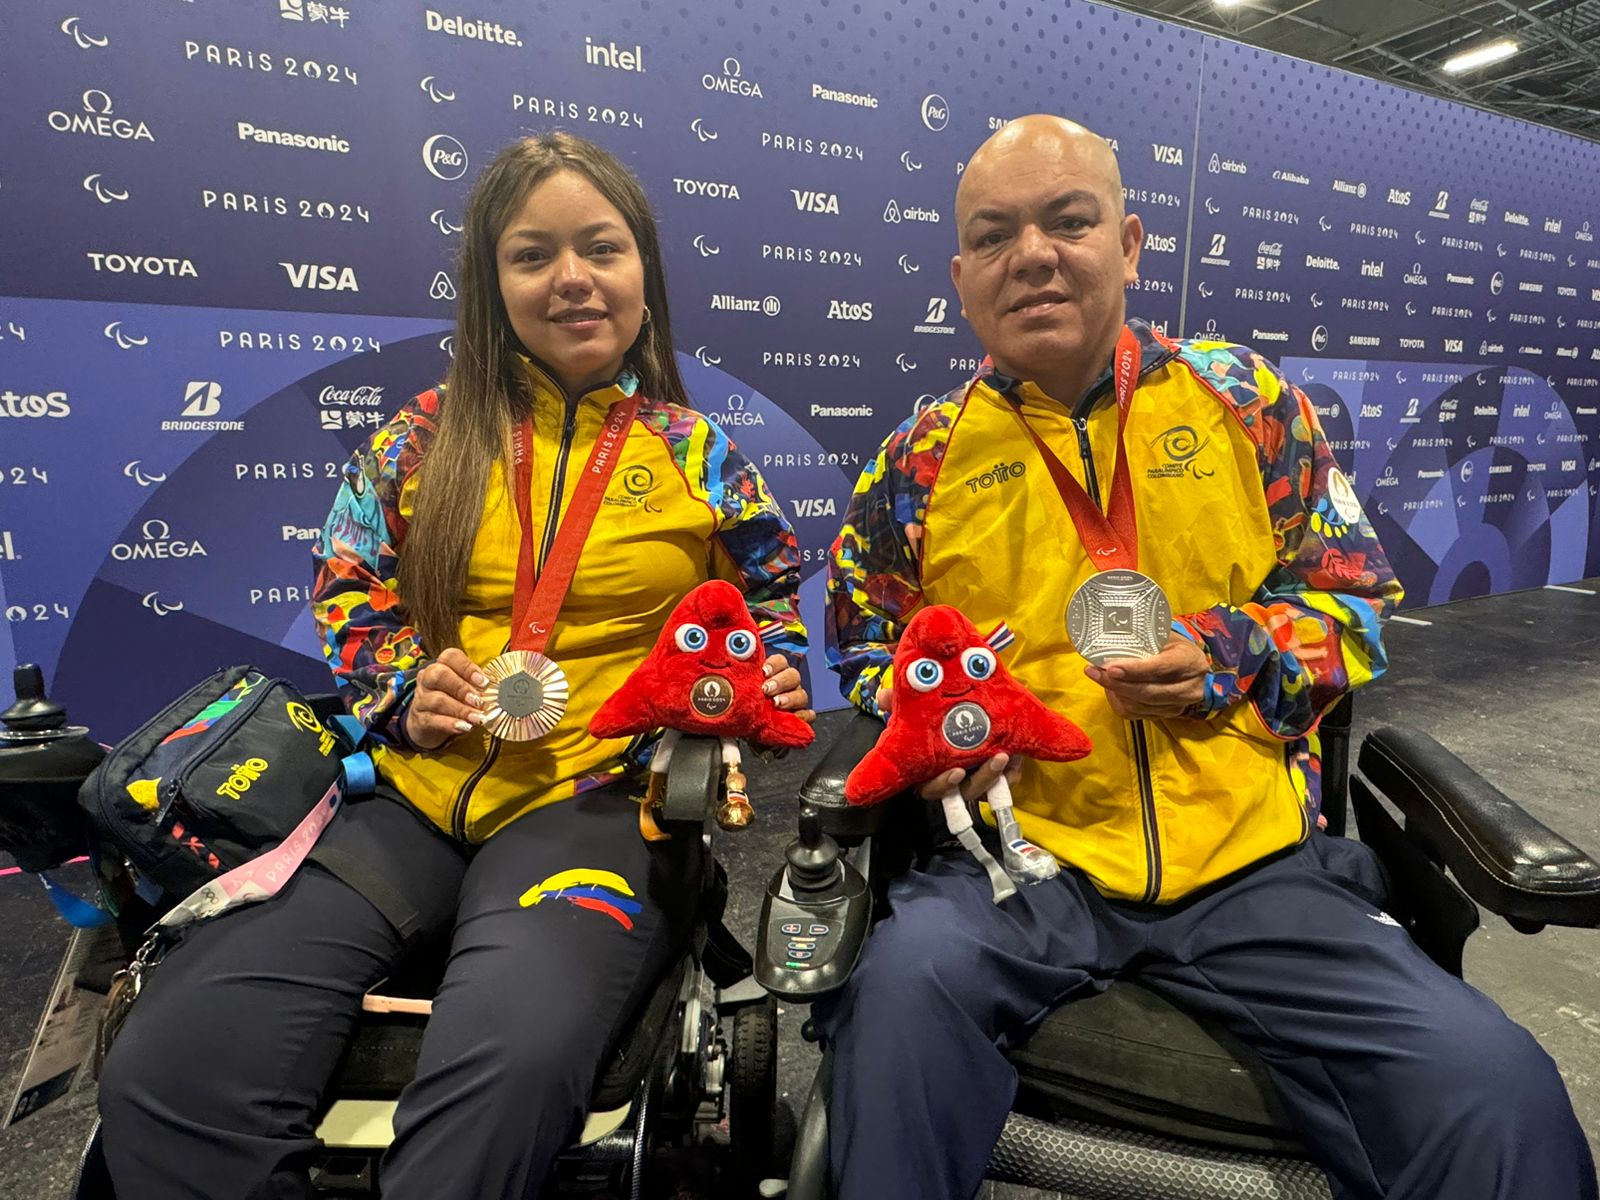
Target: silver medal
1119 614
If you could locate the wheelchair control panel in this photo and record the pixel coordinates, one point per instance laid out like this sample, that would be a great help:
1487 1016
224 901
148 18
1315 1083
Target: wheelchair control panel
814 919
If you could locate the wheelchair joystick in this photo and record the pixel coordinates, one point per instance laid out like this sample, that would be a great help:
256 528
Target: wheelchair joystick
815 917
43 761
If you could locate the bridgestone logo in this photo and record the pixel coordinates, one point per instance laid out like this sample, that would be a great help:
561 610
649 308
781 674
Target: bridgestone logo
297 141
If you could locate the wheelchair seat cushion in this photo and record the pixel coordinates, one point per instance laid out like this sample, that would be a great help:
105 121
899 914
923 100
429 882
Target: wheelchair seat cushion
1131 1058
382 1057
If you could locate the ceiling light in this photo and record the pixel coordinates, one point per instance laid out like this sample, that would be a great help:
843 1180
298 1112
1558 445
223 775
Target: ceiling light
1481 57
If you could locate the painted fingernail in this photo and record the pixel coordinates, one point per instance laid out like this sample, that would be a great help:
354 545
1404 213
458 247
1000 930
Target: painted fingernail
767 688
463 727
766 669
478 718
479 679
475 700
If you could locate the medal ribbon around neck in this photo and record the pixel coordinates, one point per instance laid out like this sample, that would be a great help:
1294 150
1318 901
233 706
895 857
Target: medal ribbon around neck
530 690
1111 537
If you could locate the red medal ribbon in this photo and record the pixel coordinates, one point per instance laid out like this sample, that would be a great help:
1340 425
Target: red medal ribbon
1112 537
536 605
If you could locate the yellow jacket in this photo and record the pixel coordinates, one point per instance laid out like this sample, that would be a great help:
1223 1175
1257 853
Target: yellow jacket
683 506
1245 521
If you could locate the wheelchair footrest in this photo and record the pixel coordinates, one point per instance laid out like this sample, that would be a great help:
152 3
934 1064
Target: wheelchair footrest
1093 1162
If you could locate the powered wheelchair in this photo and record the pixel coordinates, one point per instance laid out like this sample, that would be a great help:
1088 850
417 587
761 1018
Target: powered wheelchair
695 1066
1123 1096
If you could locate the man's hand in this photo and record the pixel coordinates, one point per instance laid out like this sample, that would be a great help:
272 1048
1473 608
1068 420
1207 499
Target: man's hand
1163 685
783 686
973 785
447 702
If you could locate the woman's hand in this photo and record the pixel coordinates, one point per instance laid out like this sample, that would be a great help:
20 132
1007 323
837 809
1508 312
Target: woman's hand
448 701
783 685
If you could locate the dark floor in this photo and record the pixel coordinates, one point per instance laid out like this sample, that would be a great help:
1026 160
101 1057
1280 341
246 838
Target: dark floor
1512 684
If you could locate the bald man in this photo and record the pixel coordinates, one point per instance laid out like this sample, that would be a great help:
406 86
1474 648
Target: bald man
1187 842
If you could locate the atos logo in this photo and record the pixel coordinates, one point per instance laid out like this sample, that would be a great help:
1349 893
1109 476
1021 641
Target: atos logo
1161 243
444 157
935 112
846 310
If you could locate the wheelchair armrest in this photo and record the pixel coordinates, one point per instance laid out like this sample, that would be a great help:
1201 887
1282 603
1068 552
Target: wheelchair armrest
694 779
1505 859
846 823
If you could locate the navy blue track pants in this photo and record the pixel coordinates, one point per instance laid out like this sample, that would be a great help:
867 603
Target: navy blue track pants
210 1092
1407 1083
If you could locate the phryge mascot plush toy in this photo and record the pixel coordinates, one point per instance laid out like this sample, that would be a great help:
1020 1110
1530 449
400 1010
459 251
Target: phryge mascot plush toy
704 677
956 705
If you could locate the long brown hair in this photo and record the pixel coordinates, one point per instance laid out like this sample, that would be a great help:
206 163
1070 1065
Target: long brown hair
486 396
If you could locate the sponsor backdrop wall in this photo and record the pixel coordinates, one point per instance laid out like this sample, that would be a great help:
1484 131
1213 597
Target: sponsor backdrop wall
231 228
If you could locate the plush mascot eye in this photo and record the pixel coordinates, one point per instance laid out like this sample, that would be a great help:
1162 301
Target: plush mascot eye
925 674
741 643
691 638
978 662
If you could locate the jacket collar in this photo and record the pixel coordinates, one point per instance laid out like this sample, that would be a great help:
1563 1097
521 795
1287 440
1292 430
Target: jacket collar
540 380
1155 354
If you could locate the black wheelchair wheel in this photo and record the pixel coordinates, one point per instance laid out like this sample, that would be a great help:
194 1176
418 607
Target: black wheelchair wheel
753 1090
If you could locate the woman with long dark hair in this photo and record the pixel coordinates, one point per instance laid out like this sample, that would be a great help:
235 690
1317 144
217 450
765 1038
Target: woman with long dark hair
499 557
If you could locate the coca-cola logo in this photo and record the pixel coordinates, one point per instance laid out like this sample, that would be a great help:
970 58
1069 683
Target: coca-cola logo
356 397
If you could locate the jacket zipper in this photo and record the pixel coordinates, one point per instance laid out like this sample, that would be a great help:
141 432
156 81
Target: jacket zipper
552 520
1141 750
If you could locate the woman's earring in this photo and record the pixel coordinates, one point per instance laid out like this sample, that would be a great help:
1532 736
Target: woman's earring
647 314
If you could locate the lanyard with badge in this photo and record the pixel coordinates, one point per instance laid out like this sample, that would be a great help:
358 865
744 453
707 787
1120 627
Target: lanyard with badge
1118 612
530 690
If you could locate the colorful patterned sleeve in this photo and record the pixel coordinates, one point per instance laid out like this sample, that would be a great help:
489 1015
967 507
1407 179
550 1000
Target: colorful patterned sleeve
374 654
875 568
1312 632
756 539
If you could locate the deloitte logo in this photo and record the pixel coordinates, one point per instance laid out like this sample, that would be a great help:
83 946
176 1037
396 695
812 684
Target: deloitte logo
935 111
444 157
893 214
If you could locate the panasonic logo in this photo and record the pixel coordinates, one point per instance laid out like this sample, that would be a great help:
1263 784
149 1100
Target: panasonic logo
331 143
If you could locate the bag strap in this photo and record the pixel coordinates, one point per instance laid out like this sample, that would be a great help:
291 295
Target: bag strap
374 888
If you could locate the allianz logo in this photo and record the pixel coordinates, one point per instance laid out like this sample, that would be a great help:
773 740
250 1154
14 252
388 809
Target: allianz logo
156 541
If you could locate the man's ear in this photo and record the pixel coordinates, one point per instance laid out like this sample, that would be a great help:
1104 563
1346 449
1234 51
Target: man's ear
955 278
1132 243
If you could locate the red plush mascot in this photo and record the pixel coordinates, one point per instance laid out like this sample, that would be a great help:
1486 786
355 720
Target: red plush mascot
956 705
703 677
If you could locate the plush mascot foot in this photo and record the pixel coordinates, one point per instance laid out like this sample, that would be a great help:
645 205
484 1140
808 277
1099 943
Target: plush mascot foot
1025 862
999 882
